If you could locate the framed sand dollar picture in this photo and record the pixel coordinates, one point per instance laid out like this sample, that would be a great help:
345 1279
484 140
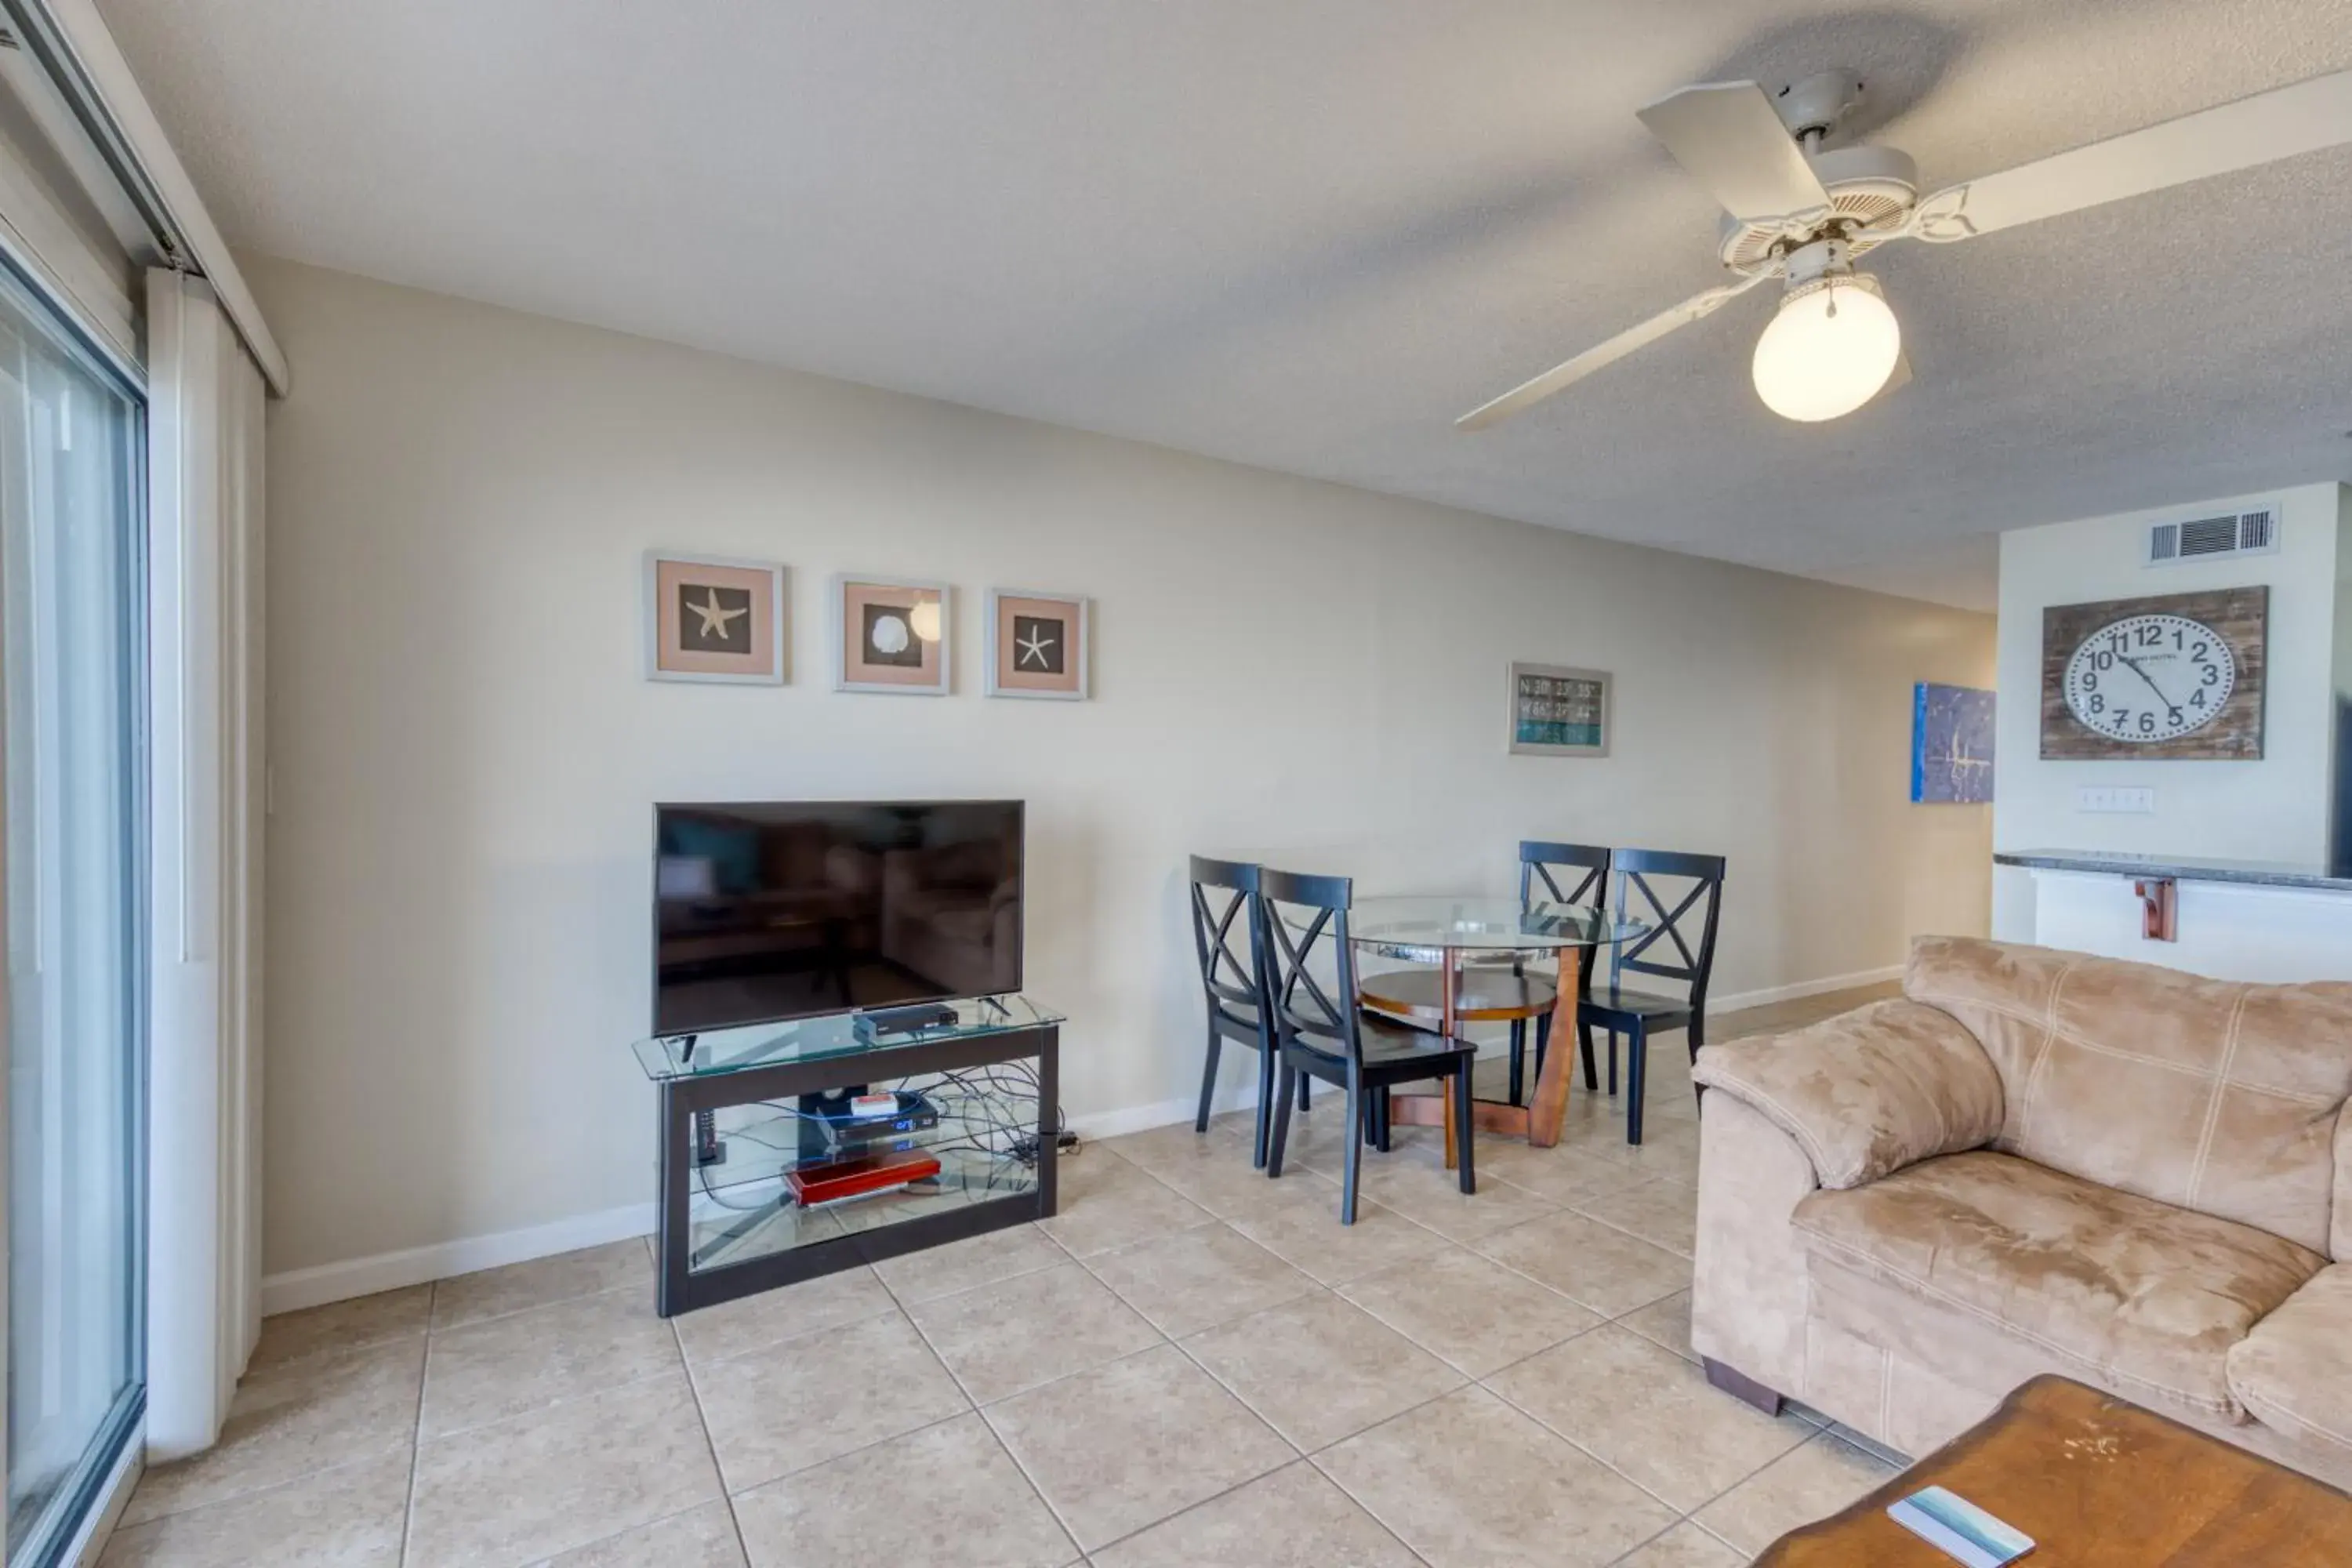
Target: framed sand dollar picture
889 633
714 618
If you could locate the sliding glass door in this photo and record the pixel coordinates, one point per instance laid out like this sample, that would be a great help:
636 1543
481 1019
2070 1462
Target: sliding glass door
70 858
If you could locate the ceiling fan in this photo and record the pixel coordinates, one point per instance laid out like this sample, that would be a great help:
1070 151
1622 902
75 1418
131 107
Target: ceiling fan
1803 214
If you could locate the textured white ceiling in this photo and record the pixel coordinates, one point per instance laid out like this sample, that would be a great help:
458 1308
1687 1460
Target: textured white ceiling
1305 235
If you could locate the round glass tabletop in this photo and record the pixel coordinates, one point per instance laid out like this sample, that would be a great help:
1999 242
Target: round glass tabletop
1433 924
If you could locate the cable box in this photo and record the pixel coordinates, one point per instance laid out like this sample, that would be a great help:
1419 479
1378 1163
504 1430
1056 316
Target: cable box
857 1118
814 1186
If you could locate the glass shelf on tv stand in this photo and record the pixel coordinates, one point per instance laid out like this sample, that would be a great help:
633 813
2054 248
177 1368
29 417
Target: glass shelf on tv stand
740 1209
834 1035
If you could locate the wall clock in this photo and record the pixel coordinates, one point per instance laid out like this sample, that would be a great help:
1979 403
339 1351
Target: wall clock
2177 676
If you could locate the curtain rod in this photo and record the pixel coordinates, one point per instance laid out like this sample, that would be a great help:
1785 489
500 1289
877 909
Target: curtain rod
71 42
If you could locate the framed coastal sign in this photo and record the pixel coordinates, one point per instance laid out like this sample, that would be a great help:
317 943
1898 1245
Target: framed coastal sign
1951 744
889 635
1556 712
714 618
1036 644
2168 677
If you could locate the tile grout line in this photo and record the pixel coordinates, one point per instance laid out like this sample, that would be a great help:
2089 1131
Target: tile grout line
242 1493
1069 1533
1643 1545
416 1433
513 1312
965 1390
538 1411
867 1447
1588 1306
1666 1503
1069 1528
979 1410
906 1306
1165 1340
250 1494
1295 1458
710 1447
1298 1456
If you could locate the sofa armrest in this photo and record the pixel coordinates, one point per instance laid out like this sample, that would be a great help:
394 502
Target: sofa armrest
1868 1092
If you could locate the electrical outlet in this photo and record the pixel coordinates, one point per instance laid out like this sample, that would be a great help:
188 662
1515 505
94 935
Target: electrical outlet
2124 798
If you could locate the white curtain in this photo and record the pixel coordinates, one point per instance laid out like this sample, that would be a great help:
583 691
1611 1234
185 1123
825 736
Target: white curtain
207 765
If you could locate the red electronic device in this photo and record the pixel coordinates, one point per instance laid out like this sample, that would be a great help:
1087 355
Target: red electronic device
839 1179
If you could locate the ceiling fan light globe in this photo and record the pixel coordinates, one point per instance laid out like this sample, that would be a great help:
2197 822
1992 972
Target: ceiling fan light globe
1828 350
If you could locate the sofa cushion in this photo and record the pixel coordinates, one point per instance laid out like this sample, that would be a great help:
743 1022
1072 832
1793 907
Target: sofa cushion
2340 1244
2120 1288
2210 1095
1867 1092
2295 1371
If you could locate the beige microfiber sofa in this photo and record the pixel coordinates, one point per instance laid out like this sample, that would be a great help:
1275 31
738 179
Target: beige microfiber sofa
2033 1161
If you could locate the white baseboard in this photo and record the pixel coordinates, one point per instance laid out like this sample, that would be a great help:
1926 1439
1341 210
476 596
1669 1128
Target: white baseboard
1718 1005
1164 1113
327 1283
301 1288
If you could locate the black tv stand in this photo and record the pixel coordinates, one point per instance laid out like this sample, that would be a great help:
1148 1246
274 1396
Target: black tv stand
907 1020
977 1099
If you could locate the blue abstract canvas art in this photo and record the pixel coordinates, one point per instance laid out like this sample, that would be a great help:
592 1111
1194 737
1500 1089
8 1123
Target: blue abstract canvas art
1951 745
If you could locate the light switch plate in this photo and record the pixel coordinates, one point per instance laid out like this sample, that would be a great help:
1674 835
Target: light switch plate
2125 799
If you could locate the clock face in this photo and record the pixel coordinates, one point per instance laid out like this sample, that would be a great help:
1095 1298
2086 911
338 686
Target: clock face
2150 678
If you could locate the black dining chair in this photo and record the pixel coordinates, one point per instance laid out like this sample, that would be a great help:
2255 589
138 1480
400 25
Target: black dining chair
1537 860
1636 1014
1327 1034
1508 994
1234 982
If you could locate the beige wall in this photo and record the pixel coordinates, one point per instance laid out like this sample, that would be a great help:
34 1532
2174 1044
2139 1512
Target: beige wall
465 750
2279 807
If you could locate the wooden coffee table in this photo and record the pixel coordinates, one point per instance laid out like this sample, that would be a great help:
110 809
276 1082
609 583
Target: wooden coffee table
2098 1482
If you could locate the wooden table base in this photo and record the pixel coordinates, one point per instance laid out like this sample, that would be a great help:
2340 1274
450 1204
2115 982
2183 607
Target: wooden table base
1539 1121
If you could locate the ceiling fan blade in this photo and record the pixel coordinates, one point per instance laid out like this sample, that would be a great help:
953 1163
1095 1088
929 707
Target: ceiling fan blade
2262 129
1695 308
1729 137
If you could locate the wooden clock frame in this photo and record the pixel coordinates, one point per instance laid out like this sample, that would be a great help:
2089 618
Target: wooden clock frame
2242 619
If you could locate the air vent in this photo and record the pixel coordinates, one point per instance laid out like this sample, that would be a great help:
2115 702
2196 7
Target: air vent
2252 532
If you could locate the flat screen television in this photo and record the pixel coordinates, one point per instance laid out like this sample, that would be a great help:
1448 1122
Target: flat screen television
776 910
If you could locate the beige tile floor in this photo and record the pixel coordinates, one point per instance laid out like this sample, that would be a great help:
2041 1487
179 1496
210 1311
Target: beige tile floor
1190 1365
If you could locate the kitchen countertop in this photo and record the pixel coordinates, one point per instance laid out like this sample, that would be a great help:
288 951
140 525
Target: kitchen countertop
2183 868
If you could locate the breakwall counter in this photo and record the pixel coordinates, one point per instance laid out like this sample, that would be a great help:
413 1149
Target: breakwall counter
2236 919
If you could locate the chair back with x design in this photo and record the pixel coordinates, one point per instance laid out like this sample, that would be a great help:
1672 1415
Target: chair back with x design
1225 892
1539 860
1301 914
1671 949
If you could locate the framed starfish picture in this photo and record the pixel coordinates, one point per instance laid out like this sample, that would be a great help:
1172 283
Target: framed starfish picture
889 635
713 618
1036 645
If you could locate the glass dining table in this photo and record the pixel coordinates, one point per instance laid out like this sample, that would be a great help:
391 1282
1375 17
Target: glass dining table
1447 933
